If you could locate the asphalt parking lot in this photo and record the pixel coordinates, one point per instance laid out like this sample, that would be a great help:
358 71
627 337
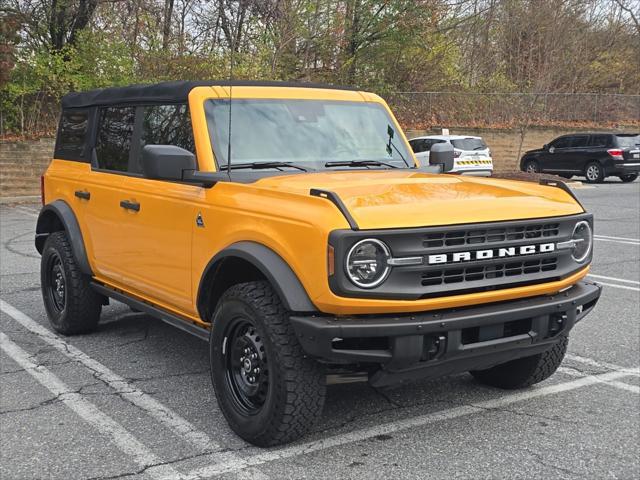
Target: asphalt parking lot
134 399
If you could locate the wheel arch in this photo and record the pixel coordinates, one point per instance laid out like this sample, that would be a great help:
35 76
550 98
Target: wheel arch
249 261
58 216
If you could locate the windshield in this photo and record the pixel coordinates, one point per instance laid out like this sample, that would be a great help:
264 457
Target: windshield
469 144
315 134
628 141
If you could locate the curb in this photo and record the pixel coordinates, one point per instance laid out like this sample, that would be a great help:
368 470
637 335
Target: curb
22 199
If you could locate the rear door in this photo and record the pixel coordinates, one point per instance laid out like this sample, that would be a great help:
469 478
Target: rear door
99 191
157 216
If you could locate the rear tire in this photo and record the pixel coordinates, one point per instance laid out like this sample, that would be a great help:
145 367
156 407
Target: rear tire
531 166
524 372
568 176
267 389
629 178
72 305
594 173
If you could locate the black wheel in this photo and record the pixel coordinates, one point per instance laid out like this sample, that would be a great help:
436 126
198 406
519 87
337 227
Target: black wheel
594 173
267 389
531 166
629 178
527 371
71 304
568 176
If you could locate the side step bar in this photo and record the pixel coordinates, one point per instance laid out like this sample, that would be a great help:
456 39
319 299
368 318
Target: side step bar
167 317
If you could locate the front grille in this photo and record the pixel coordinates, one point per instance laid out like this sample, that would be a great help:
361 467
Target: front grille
462 259
480 236
488 272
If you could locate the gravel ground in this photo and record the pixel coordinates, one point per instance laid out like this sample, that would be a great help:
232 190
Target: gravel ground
134 399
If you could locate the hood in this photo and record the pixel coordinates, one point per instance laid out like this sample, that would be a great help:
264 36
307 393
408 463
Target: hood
389 199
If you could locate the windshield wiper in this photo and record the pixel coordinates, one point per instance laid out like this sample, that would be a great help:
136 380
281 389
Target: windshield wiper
261 165
360 163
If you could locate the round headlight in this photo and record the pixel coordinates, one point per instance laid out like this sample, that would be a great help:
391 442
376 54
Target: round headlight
367 263
583 239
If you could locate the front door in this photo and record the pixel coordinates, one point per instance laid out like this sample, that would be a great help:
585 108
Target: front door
158 217
557 158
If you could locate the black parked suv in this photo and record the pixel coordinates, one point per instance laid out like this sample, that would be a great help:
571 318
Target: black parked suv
594 155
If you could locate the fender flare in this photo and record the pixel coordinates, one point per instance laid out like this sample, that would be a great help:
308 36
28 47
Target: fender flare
271 265
61 211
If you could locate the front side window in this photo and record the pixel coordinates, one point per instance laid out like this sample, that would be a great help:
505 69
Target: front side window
72 132
562 142
113 143
164 125
310 133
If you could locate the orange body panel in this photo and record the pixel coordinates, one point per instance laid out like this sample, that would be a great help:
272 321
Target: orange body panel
159 255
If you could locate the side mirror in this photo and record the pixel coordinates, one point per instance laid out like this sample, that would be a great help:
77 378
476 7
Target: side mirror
167 162
552 149
442 154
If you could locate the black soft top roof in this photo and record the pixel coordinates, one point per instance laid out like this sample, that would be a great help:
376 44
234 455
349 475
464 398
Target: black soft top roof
166 92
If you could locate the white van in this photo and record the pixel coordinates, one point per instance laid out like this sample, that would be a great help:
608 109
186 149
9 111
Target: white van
471 154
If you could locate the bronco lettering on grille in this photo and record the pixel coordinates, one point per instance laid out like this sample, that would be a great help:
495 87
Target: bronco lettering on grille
468 256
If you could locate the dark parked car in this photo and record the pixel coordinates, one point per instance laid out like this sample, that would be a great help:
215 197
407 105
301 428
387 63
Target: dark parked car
594 155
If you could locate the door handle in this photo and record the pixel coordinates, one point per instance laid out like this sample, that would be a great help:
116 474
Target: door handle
83 194
128 205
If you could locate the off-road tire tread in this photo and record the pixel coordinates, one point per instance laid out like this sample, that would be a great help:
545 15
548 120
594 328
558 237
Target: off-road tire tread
301 405
524 372
83 304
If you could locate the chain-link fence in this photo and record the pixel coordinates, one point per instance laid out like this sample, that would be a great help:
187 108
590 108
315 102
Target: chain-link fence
427 109
36 114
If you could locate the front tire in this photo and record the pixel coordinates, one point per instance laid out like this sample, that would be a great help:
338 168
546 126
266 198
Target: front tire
594 173
629 178
524 372
267 389
72 305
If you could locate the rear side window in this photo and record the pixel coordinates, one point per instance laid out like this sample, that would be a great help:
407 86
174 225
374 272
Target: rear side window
72 135
600 141
579 141
628 141
469 144
113 143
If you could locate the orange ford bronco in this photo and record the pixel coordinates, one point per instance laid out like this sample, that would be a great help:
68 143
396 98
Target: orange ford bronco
291 227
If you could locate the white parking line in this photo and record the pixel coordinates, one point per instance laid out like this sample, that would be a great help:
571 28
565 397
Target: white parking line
126 442
601 364
614 383
618 238
392 427
180 427
624 242
621 280
623 287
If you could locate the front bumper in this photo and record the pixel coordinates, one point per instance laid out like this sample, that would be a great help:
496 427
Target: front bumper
446 341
